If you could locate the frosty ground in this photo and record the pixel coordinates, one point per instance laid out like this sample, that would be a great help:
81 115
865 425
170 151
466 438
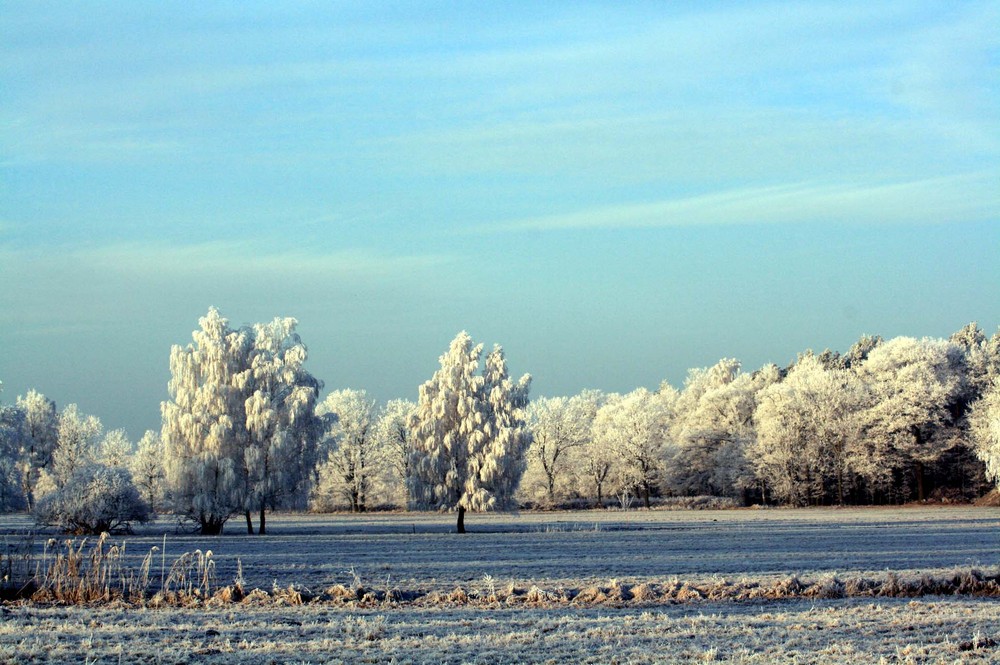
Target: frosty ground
553 552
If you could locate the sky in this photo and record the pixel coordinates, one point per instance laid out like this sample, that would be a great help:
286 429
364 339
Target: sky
615 192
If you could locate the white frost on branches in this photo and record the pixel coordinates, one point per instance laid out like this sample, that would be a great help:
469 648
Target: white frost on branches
985 422
469 433
633 429
352 453
240 429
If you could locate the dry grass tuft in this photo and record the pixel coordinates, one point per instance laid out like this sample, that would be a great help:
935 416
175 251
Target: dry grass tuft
646 592
592 595
76 576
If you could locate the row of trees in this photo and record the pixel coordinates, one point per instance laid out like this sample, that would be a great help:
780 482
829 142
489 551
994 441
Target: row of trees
244 432
65 468
886 422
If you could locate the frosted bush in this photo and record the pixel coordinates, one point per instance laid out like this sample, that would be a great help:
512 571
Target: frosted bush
96 499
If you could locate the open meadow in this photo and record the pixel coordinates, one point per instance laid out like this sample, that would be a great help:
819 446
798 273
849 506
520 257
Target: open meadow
746 586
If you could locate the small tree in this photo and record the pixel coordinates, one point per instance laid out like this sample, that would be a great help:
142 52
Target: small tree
115 449
95 499
393 433
147 469
469 434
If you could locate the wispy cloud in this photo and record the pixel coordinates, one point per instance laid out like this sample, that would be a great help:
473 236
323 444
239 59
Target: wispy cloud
962 198
229 259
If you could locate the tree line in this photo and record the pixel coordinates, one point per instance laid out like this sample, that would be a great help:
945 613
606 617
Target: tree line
244 432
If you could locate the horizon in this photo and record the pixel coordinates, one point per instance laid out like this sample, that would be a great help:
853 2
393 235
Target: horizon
615 194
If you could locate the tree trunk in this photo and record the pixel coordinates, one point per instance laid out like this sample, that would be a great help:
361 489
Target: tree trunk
461 520
211 527
249 523
840 485
645 494
920 481
262 530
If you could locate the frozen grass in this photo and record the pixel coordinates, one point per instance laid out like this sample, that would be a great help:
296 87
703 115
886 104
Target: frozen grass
840 631
728 586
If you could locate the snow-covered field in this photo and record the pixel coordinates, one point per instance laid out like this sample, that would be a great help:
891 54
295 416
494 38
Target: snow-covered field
553 552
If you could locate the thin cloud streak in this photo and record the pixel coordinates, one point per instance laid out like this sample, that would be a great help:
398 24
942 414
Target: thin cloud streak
229 259
963 198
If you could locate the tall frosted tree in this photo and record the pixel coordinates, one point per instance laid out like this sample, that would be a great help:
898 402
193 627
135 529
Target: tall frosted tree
352 451
240 429
469 433
41 435
281 423
204 422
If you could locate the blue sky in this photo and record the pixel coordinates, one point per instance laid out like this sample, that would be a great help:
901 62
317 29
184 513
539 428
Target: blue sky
615 192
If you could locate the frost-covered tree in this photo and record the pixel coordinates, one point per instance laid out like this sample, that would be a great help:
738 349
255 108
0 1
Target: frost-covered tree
147 468
860 350
914 386
353 452
712 428
589 467
393 433
78 438
634 428
204 422
985 422
807 432
281 423
41 435
240 428
95 499
114 450
469 433
12 434
982 359
559 426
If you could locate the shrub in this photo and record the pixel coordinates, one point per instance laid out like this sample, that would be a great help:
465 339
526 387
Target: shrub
96 499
